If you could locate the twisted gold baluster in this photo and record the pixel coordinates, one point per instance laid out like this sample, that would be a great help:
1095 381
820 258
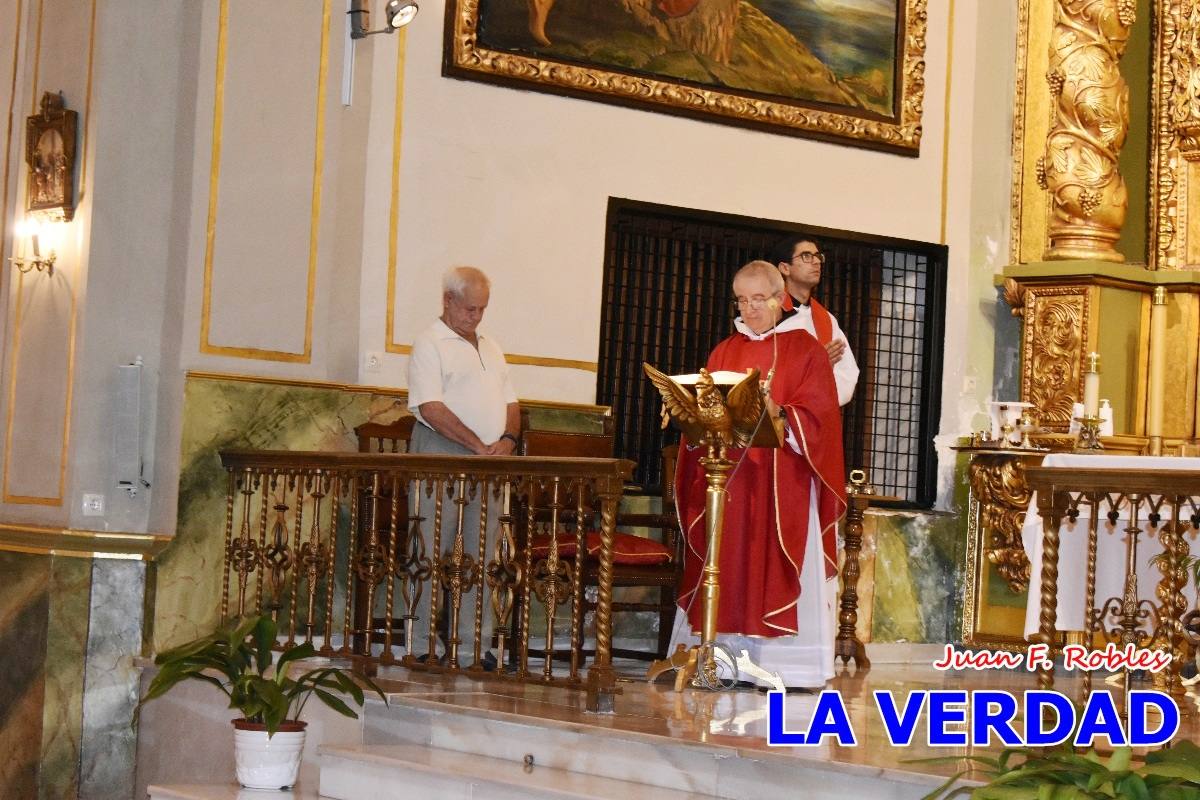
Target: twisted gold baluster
230 491
267 488
476 578
389 603
300 486
335 509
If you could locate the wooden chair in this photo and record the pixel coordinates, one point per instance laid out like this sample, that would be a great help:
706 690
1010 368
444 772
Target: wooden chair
385 437
376 437
637 560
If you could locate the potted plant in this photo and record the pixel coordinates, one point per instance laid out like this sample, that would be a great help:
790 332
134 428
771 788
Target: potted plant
238 660
1061 773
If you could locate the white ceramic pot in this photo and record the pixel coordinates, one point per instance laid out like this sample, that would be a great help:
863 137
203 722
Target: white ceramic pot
267 763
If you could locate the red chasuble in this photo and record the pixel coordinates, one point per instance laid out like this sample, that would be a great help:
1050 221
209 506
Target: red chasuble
767 506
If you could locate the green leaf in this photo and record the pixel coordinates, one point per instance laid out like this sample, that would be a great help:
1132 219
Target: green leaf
1187 772
336 703
1132 786
297 653
1184 751
1121 759
264 640
940 793
1004 793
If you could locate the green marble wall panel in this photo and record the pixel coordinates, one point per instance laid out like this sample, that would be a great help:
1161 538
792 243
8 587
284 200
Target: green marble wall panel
24 610
917 581
237 414
66 649
114 637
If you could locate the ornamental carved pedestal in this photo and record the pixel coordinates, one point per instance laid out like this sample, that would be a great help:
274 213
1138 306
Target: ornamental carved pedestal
997 568
998 487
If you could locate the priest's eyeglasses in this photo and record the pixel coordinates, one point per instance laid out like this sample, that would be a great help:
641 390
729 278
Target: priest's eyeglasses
809 258
757 302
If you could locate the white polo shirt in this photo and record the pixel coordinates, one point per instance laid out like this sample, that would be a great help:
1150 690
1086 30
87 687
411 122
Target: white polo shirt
474 384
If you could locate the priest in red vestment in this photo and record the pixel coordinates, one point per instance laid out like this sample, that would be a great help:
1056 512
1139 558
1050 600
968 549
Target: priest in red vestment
778 557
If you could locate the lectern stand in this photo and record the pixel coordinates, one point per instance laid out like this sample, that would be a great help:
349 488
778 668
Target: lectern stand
715 413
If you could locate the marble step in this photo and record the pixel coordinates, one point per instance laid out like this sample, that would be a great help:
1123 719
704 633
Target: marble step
716 768
399 772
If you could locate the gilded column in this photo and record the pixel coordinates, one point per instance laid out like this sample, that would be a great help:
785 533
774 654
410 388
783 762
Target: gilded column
1088 199
1176 132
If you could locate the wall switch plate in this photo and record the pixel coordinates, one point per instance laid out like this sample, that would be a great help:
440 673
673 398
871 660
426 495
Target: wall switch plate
970 384
93 505
372 361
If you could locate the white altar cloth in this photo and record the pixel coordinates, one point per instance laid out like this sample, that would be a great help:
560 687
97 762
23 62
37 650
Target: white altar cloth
1110 547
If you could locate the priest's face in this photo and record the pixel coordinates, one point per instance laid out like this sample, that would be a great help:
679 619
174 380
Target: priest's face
463 313
754 294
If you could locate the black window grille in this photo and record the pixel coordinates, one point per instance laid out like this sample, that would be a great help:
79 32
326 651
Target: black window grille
667 299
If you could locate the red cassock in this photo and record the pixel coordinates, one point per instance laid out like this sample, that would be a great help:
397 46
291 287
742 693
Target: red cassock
767 507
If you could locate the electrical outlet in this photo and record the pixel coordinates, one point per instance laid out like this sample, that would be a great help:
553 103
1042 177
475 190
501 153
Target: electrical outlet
372 361
93 505
970 384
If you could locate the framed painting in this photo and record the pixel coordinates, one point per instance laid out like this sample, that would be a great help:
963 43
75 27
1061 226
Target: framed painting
848 71
50 157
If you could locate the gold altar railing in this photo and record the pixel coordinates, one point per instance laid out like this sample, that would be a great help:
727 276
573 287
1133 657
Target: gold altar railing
309 538
1168 502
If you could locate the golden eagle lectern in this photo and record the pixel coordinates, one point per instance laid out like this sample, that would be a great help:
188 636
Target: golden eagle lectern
718 414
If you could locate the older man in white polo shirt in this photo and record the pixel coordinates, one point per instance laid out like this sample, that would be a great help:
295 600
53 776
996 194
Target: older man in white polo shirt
460 391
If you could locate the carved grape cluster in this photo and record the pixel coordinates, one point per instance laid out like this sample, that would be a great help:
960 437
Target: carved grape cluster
1055 80
1127 12
1040 169
1089 201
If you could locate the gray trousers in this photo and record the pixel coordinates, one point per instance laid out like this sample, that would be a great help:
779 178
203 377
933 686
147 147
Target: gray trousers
427 440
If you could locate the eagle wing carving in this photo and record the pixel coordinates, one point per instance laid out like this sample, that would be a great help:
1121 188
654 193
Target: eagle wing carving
677 401
746 404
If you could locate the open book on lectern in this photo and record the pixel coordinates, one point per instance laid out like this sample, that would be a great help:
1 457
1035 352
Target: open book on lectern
720 402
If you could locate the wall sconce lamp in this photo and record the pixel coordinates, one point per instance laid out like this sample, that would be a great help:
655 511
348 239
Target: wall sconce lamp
26 262
397 13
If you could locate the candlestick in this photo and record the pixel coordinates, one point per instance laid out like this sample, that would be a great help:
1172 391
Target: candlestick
1158 370
1091 386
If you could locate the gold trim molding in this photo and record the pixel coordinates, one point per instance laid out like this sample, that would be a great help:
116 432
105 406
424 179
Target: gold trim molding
517 358
76 543
394 199
390 391
464 58
14 340
1175 125
257 353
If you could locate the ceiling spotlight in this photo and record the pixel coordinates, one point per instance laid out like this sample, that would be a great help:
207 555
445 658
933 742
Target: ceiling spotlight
398 13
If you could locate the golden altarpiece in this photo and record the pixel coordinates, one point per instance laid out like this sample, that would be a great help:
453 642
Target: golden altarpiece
1105 210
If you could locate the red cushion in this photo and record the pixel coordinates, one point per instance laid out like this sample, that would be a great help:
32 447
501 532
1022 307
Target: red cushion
627 548
566 545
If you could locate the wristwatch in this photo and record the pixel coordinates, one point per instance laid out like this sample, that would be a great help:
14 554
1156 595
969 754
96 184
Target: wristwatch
510 437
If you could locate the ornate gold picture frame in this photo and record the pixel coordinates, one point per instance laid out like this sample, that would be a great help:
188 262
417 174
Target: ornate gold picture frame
854 75
50 157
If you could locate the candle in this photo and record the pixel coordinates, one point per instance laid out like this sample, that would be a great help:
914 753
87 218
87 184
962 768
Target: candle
1091 387
1158 363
